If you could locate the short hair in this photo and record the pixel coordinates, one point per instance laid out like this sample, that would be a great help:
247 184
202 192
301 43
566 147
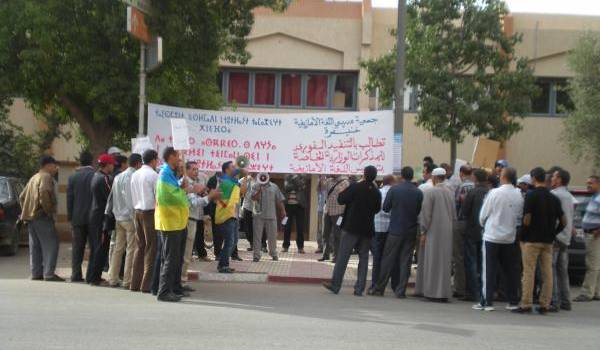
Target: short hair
45 160
86 158
407 173
370 173
428 167
538 174
480 175
188 164
553 169
493 180
466 169
169 151
149 155
226 166
565 176
134 159
120 159
595 178
428 159
388 179
510 174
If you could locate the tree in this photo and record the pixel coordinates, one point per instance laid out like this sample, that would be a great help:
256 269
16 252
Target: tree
468 79
16 149
72 60
582 127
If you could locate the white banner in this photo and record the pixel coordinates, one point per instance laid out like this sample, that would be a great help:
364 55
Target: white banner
315 143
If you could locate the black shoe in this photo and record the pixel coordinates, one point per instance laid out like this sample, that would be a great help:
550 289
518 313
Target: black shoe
275 258
374 292
40 278
358 294
329 287
256 259
301 251
522 310
54 278
170 298
596 298
542 310
182 294
77 280
284 250
325 258
226 270
187 288
237 258
553 308
566 307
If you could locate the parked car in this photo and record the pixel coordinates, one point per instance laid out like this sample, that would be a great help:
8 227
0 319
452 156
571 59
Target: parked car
11 233
577 246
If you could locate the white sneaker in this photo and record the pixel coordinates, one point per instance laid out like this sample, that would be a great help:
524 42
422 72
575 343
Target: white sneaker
510 307
478 307
489 308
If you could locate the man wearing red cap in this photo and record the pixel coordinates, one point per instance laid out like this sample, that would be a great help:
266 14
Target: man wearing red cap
99 239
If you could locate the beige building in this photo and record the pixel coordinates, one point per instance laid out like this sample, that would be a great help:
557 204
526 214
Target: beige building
307 58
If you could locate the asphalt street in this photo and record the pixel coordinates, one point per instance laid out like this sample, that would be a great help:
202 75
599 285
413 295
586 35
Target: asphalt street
46 315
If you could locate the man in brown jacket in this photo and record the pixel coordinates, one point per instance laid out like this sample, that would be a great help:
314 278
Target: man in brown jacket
38 202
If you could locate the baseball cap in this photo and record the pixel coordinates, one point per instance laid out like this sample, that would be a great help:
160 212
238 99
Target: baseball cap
439 172
115 150
106 159
501 163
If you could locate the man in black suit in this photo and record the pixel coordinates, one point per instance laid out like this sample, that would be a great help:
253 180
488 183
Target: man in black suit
362 200
79 201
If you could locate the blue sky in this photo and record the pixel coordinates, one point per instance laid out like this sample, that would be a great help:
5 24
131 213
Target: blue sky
575 7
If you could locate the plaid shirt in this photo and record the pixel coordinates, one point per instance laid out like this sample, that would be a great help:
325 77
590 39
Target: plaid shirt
382 219
333 207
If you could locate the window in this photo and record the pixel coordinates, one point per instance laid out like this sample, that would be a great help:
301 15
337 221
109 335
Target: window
564 104
541 103
239 88
316 90
291 89
343 92
264 89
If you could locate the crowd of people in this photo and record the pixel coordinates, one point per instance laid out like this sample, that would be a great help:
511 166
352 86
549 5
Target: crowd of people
477 236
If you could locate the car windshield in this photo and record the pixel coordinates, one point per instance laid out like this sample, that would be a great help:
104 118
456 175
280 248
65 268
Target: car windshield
582 202
4 190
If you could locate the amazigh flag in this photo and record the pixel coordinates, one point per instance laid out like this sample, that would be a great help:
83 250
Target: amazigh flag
172 206
230 198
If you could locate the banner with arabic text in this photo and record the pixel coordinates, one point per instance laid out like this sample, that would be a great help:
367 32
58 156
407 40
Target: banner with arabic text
312 143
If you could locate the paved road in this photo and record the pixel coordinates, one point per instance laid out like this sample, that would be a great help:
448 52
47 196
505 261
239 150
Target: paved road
44 315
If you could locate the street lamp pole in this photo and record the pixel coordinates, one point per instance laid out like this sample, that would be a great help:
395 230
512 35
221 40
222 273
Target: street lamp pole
399 86
142 97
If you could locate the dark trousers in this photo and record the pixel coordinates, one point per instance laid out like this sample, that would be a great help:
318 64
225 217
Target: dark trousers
505 257
472 267
249 229
218 242
295 214
154 281
80 238
398 251
43 247
347 244
94 241
377 245
178 285
199 244
331 235
228 234
99 256
171 259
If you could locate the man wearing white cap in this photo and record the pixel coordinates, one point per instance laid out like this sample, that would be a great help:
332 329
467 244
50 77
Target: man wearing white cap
435 253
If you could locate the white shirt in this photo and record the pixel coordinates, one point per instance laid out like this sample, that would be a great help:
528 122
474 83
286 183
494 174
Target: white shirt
568 206
143 188
426 185
382 219
197 202
120 199
500 214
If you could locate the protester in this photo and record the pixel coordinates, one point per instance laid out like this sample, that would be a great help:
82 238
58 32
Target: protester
143 195
295 206
543 219
524 184
500 214
561 294
197 203
226 214
469 213
590 290
435 255
403 202
333 211
170 219
321 198
38 207
120 204
427 181
464 185
199 243
362 201
452 182
267 199
248 208
382 225
79 201
99 232
497 173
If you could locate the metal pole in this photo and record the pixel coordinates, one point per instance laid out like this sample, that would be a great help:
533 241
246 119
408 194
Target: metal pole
142 106
399 87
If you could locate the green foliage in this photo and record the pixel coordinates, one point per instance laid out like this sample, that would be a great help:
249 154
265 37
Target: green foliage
75 59
582 127
16 149
469 80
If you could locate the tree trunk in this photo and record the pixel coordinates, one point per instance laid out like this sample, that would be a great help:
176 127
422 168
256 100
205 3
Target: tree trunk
99 135
453 154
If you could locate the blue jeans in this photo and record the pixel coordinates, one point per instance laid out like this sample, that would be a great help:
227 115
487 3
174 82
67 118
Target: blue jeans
472 267
228 231
377 244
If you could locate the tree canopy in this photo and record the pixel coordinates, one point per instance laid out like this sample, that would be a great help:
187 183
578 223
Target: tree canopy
72 60
582 127
463 65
